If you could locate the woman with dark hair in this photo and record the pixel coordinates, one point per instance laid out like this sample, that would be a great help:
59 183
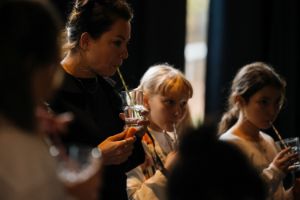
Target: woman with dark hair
29 59
97 33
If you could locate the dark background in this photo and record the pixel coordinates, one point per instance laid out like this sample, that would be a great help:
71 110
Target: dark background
239 32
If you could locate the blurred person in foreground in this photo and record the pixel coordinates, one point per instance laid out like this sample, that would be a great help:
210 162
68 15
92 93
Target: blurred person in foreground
210 169
29 59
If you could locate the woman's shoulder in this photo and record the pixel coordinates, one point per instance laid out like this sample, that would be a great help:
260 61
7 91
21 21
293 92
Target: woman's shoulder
231 138
228 135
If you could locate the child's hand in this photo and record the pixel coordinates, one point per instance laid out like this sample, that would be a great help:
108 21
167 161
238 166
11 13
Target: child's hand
284 160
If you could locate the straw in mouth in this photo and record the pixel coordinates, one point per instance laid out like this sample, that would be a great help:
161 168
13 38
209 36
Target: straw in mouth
175 135
279 136
123 83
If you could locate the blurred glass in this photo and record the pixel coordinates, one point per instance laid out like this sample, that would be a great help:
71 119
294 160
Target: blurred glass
76 164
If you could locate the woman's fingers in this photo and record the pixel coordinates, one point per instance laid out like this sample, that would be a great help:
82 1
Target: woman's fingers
116 151
285 160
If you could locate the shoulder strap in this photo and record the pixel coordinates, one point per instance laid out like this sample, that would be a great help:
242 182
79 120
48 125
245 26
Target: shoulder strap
157 160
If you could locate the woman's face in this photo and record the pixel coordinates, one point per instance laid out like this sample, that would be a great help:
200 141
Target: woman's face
165 111
263 107
107 52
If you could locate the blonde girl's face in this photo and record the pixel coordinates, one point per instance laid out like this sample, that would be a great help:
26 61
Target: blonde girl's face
107 52
166 110
263 107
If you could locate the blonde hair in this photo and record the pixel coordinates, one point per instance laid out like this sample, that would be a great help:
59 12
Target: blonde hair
164 79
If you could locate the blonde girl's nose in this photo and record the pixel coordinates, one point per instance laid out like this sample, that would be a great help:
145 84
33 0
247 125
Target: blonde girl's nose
178 111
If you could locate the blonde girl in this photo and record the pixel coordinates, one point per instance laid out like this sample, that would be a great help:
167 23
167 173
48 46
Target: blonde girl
166 92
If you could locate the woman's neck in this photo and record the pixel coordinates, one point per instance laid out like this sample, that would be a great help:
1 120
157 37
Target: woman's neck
74 65
246 130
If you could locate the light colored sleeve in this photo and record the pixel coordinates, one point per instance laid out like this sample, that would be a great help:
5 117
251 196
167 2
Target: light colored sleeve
273 177
138 188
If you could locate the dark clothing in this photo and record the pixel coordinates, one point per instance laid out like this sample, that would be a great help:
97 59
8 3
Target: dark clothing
96 107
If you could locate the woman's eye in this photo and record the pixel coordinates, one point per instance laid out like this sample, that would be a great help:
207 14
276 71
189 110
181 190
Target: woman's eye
117 43
263 102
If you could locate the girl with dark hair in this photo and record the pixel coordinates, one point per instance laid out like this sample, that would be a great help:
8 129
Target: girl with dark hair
257 95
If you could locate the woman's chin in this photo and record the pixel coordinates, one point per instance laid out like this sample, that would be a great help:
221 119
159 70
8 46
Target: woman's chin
265 126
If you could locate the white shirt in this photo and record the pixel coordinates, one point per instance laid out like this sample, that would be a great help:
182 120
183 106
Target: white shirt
261 154
140 187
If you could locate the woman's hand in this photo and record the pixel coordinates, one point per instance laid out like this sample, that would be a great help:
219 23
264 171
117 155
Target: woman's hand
284 160
117 148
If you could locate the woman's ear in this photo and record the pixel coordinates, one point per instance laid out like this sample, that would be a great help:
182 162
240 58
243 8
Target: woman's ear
84 40
240 101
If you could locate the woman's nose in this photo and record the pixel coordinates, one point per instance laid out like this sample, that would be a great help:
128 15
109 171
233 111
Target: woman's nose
124 54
